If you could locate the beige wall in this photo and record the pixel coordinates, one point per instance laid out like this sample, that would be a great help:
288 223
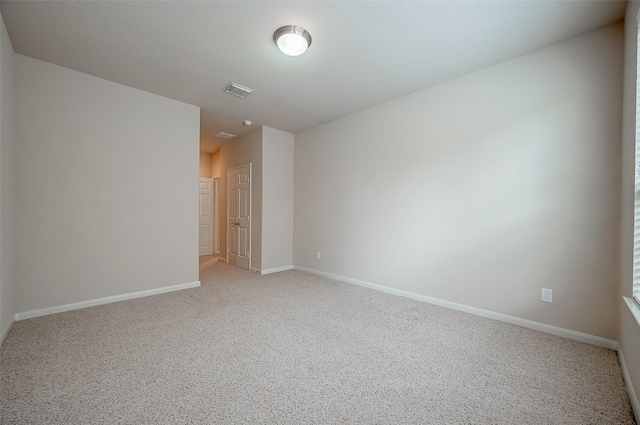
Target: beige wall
215 164
7 193
205 164
479 191
234 153
629 335
95 217
277 199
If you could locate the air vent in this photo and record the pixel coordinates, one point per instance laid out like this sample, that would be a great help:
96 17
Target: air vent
223 135
238 90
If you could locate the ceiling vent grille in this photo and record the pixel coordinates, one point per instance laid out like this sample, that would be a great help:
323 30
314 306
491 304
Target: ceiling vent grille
238 90
226 136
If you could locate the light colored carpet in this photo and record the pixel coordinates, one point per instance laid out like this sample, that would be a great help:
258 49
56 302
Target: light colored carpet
207 260
292 348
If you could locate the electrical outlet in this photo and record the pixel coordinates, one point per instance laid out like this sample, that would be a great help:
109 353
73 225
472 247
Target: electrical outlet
547 295
318 255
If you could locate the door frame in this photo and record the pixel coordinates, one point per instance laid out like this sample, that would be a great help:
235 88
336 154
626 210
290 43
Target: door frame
229 170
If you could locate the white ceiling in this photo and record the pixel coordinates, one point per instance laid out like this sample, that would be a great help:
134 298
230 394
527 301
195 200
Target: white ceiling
363 53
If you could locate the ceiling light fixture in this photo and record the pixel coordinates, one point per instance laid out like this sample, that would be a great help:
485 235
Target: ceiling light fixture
292 40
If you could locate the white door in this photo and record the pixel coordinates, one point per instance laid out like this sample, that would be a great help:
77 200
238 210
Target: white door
206 216
216 220
238 216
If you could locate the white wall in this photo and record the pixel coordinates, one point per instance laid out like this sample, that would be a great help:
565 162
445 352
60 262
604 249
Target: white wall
96 218
7 194
629 333
234 153
479 191
270 152
277 199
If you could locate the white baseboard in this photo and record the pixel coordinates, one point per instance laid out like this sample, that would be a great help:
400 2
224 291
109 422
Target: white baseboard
106 300
542 327
635 405
5 332
276 269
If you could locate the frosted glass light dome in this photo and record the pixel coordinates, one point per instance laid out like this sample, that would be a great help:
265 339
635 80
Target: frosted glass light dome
292 40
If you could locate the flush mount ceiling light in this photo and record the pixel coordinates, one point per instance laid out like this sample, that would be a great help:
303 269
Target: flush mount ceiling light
292 40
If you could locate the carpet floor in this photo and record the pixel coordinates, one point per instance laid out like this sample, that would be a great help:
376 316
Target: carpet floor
293 348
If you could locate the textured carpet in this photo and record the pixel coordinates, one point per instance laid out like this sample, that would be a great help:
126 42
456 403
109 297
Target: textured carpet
292 348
